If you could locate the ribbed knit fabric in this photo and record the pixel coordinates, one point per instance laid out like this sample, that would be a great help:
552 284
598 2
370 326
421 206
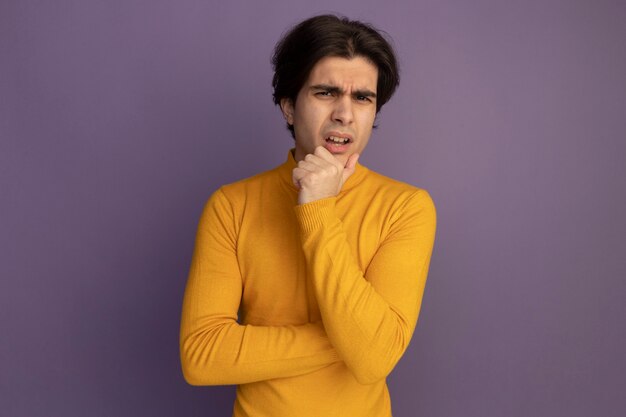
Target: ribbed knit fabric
306 307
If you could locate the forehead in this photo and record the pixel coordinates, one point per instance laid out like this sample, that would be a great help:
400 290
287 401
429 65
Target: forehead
357 72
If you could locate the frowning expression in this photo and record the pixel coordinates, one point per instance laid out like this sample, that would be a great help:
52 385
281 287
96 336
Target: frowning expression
335 107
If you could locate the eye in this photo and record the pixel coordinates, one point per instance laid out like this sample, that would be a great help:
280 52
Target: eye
324 93
363 98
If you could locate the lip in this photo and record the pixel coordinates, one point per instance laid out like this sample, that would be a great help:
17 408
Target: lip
339 135
335 148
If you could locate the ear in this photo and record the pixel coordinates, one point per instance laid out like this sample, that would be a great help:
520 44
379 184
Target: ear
286 106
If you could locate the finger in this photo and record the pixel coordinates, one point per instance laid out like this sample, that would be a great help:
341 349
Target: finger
328 158
299 173
350 165
296 175
314 160
308 166
352 160
325 155
319 163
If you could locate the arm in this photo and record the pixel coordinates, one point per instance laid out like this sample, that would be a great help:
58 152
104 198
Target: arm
214 347
369 315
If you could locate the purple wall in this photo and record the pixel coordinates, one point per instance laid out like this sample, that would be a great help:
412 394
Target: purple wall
119 118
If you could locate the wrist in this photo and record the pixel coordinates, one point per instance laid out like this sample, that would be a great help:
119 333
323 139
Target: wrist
305 197
315 214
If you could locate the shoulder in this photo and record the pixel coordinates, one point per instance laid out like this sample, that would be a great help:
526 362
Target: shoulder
235 193
402 194
406 208
228 202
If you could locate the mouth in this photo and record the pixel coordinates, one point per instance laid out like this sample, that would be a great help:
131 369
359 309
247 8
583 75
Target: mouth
337 144
338 140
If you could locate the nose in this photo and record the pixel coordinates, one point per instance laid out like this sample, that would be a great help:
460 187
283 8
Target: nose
342 111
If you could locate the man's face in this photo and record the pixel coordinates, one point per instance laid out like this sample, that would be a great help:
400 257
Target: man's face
335 107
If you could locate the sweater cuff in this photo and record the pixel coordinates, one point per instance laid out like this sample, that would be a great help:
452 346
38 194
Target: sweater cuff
313 215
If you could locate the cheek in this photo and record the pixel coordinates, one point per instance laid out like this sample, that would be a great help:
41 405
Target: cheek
366 122
315 123
308 117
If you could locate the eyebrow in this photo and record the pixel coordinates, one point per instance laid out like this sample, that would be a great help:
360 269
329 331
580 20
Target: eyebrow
336 90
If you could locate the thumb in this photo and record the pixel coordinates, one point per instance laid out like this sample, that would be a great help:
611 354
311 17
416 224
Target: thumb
350 165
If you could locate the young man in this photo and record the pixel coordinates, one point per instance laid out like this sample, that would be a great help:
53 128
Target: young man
307 280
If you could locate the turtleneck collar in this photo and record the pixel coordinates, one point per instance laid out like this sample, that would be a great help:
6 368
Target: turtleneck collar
287 167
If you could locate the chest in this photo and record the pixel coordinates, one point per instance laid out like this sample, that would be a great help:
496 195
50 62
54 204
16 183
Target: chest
276 290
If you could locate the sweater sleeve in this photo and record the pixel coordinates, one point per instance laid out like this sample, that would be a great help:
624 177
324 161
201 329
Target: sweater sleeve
214 348
369 315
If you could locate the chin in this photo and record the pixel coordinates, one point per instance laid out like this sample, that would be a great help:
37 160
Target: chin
343 158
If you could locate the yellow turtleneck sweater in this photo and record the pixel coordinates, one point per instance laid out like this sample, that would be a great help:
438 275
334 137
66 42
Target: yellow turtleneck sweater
306 307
